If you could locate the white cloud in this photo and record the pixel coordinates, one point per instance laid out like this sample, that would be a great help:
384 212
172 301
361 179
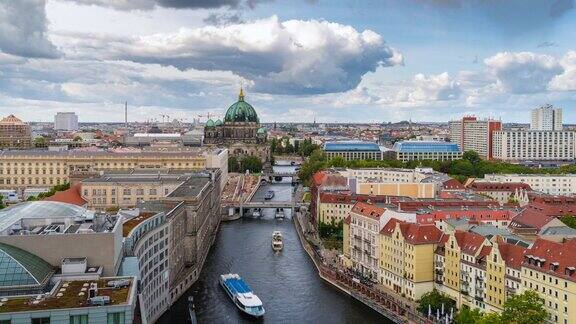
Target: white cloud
23 29
523 72
567 80
290 57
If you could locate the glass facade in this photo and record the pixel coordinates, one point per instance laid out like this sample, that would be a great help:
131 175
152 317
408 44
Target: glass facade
20 268
421 147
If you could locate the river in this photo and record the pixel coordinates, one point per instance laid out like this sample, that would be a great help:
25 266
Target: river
287 282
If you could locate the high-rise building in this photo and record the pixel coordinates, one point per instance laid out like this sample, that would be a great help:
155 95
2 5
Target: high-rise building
546 118
66 121
14 133
472 134
534 145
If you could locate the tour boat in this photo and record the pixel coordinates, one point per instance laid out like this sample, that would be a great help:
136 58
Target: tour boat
269 195
277 243
256 212
279 212
241 294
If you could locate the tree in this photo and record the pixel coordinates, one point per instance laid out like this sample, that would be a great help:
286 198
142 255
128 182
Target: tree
232 164
467 316
472 157
2 206
77 139
40 141
251 163
435 299
525 308
569 220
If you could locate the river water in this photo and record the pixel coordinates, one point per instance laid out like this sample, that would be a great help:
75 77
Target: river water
287 282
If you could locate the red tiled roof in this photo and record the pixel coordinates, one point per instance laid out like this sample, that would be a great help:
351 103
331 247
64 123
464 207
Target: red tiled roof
485 251
413 233
469 243
70 196
347 220
558 259
368 210
512 254
498 186
530 218
480 215
349 198
452 184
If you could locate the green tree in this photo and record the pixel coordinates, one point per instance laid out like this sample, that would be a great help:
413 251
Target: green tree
77 139
232 164
251 163
467 316
2 206
435 299
569 220
525 308
472 157
40 141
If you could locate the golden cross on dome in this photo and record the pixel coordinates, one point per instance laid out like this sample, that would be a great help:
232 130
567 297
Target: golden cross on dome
241 95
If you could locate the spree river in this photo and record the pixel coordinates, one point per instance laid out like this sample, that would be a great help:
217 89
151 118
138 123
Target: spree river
287 282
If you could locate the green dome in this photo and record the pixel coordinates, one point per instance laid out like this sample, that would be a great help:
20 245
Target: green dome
261 130
210 123
218 122
241 111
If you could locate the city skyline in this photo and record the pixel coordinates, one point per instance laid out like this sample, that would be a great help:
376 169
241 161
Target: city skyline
343 61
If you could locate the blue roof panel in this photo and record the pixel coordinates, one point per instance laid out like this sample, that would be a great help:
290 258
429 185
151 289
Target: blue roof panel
351 146
423 147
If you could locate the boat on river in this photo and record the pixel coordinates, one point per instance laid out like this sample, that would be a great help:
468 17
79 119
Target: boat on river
277 243
242 296
279 212
269 195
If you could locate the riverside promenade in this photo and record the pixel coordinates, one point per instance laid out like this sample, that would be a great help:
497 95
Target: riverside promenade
397 309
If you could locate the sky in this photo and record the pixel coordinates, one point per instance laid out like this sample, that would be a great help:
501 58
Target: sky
298 60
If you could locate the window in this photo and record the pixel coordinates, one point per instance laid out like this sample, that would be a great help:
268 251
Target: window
79 319
116 318
41 320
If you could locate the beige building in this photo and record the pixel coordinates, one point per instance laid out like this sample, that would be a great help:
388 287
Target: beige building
517 146
472 134
412 190
14 133
552 184
121 190
33 169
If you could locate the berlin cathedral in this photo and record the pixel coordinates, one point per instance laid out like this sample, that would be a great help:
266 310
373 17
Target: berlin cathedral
240 131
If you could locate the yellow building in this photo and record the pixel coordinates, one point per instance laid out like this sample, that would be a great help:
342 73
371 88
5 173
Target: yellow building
334 207
549 268
502 273
463 270
33 169
413 190
407 257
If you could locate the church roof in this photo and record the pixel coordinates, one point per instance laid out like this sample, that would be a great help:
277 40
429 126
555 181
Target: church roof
210 123
241 111
218 122
12 120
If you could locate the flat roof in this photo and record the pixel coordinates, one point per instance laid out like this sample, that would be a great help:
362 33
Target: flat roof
128 225
69 294
351 146
425 147
191 187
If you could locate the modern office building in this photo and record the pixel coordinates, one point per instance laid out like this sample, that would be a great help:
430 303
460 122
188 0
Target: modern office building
66 121
353 150
43 168
472 134
520 146
419 150
546 118
14 133
552 184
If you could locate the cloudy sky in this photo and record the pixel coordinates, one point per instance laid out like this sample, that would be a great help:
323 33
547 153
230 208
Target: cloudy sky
333 60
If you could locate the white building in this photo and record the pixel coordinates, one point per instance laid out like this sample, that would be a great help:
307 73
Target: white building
67 121
472 134
553 184
546 118
515 146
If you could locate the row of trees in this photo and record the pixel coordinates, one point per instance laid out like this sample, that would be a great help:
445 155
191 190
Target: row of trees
250 163
283 146
470 165
525 308
50 192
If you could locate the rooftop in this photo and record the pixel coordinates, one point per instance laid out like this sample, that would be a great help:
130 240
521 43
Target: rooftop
424 147
128 225
191 187
69 196
351 146
69 294
368 210
22 268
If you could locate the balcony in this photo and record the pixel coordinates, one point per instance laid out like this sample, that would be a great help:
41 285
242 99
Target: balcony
358 237
439 271
479 298
367 241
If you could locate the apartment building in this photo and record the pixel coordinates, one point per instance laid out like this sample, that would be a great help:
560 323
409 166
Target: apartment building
552 184
366 221
407 257
502 192
472 134
66 121
42 168
14 133
546 118
549 268
534 145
